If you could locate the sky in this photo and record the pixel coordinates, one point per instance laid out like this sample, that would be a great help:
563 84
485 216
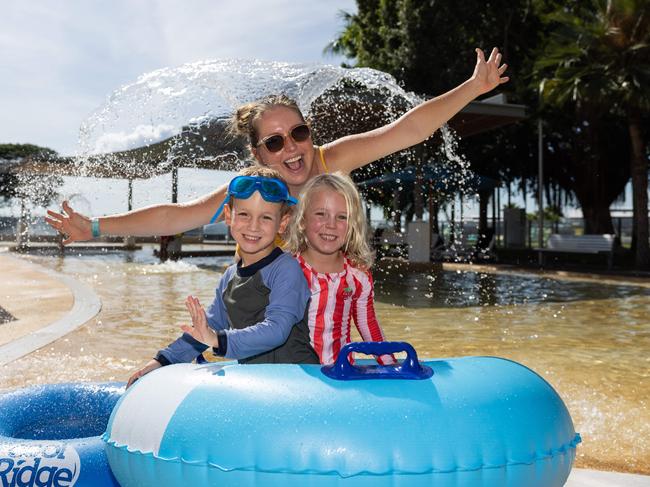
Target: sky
60 61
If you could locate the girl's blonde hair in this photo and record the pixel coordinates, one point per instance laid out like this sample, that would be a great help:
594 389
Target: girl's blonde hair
356 246
243 120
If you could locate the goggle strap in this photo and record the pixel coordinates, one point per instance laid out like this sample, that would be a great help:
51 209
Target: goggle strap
220 209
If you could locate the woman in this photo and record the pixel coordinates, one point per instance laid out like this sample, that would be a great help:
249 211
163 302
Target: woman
280 139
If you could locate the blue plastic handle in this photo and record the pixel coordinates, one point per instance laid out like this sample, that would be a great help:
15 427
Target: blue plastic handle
410 368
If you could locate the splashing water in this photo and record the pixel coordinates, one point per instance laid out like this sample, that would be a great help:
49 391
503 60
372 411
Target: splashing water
179 116
160 103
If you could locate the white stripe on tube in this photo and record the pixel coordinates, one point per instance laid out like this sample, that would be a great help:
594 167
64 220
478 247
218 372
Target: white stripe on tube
140 422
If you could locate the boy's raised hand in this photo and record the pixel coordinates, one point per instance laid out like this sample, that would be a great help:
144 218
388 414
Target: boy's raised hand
488 73
75 225
151 365
199 330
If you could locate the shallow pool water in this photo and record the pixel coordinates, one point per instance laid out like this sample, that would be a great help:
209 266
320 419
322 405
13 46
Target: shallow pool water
588 338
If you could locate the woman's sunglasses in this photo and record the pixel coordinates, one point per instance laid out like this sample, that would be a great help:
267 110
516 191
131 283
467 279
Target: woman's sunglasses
275 143
242 187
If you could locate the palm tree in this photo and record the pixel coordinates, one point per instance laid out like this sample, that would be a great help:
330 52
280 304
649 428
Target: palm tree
599 59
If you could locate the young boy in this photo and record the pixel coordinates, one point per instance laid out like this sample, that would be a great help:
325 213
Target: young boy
259 312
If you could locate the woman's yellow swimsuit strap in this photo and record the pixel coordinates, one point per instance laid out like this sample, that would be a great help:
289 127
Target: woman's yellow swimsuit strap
322 160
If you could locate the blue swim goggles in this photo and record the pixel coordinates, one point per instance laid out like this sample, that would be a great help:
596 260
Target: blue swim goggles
272 190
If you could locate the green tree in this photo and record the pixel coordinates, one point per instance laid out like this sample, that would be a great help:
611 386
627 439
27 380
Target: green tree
422 44
598 62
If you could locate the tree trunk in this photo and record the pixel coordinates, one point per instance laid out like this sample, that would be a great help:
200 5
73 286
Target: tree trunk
433 210
597 217
639 171
594 195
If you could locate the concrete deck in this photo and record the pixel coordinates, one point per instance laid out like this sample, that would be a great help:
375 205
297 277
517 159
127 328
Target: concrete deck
593 478
46 306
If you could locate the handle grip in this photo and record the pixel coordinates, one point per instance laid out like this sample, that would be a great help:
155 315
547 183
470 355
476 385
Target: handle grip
409 369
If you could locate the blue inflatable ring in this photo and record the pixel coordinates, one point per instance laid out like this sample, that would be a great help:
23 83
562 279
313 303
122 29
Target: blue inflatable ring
472 421
50 435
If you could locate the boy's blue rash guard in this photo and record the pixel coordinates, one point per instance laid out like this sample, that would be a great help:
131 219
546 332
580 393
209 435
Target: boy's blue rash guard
259 313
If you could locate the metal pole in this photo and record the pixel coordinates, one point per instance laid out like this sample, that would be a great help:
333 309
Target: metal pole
174 184
497 234
540 192
129 198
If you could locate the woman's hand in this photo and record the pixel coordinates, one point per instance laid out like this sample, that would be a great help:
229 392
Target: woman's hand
487 74
151 365
199 330
74 225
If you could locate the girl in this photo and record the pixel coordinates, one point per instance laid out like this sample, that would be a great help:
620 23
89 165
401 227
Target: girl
280 138
328 238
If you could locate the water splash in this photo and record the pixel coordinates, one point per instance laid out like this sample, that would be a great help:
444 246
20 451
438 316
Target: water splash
162 103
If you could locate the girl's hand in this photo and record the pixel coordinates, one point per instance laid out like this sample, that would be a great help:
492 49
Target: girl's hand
151 365
75 225
199 330
487 74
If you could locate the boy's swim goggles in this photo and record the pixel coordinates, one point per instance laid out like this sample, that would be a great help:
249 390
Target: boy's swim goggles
242 187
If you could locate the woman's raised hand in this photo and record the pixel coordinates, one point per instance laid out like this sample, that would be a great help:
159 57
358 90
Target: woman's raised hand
488 73
74 225
199 330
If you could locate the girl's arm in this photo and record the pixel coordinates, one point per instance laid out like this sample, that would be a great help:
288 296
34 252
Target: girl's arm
166 219
365 319
419 123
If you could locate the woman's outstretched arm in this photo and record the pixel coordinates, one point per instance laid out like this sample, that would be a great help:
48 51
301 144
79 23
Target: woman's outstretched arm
165 219
419 123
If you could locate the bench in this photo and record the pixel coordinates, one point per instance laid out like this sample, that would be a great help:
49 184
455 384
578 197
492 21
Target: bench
580 244
388 242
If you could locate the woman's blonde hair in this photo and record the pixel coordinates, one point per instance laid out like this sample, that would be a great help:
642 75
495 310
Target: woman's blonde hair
243 120
356 246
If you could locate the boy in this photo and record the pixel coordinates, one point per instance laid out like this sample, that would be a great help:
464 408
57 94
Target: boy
259 312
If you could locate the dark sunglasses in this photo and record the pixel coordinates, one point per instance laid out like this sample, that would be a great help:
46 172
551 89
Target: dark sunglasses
275 143
242 187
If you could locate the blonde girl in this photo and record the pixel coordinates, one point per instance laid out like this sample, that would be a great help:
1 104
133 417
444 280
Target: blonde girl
328 237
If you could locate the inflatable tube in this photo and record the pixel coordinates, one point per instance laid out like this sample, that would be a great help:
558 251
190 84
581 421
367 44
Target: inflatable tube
50 435
476 421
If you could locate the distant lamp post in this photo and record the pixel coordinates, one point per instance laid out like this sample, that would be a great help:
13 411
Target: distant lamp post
540 176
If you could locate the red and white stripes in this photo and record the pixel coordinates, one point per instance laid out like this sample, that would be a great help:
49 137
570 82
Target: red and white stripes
336 299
